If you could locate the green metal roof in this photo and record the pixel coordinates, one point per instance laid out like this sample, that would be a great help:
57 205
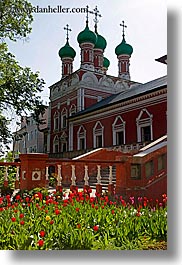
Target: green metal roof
87 36
124 48
101 42
106 62
67 51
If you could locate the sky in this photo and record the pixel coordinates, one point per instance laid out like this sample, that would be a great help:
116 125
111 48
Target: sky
146 31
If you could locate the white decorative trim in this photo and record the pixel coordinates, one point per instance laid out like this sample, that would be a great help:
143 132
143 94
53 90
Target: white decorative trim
89 78
141 123
63 115
55 142
98 132
118 128
36 175
72 110
81 135
56 121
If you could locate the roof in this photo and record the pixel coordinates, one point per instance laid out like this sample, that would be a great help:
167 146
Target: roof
128 94
151 149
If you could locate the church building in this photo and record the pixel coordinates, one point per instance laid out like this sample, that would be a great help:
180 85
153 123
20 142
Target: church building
90 109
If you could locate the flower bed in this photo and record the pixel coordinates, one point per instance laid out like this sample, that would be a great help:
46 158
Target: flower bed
37 220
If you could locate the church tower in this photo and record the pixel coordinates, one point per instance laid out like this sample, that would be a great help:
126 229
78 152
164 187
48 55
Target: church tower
100 44
67 55
87 40
123 52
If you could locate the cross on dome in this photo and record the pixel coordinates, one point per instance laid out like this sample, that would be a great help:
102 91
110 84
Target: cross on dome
96 13
124 26
87 11
67 29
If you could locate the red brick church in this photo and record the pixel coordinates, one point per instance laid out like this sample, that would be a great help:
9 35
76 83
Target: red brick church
91 109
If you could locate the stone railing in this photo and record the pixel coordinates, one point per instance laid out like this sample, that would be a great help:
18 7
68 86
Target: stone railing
5 175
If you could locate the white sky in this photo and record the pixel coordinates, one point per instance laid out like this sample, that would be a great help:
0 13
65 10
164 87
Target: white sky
146 31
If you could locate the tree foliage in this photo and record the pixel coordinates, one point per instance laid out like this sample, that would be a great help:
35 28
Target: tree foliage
18 86
15 19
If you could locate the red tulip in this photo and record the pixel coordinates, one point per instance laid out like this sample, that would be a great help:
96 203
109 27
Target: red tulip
42 233
40 243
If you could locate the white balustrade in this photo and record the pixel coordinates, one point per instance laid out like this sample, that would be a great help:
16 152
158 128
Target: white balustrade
73 177
86 177
59 178
98 174
6 174
17 173
110 175
47 173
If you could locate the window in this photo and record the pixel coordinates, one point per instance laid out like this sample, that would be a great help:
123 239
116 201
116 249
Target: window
64 118
98 135
119 138
56 144
56 121
72 110
144 126
136 171
161 162
63 140
149 169
64 147
118 129
81 138
98 141
82 143
145 134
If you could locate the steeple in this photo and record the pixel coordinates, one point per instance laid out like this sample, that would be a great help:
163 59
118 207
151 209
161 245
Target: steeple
87 40
67 55
123 52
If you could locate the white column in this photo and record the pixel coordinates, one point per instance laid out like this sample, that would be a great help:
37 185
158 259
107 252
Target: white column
98 174
86 177
73 177
47 173
59 179
110 174
17 173
6 174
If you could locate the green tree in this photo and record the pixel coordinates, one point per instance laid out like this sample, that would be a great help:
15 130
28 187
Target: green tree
19 87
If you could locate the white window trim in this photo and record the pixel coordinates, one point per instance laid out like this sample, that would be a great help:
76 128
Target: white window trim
55 142
72 109
56 116
144 123
100 132
118 128
79 137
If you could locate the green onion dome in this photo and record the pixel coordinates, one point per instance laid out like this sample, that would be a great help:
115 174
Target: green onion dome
123 48
100 43
67 51
87 36
106 62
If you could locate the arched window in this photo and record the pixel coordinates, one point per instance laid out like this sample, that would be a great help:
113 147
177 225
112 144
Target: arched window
144 126
63 118
56 144
81 138
56 121
72 109
118 130
63 140
98 135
